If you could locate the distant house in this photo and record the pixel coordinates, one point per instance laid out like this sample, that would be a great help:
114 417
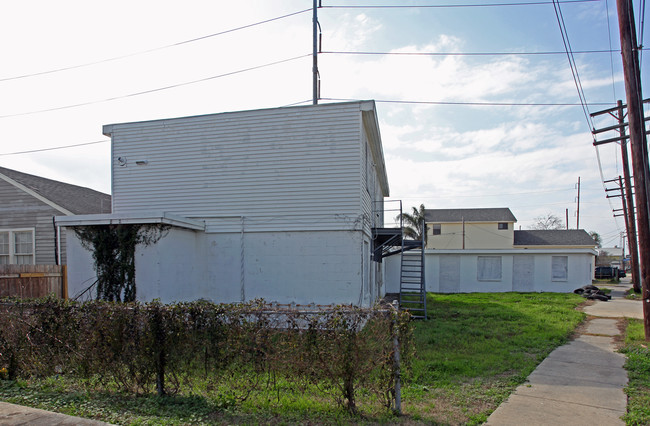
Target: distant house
611 256
478 250
28 205
277 204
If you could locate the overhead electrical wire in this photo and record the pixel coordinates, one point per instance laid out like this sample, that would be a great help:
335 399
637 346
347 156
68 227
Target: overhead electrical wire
495 195
386 101
611 55
448 6
641 30
155 49
466 53
602 180
53 148
572 63
159 89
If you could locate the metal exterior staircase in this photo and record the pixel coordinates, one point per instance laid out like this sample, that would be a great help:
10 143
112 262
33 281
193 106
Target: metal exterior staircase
412 288
413 293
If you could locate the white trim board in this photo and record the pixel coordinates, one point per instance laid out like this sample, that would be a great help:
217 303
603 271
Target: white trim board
36 195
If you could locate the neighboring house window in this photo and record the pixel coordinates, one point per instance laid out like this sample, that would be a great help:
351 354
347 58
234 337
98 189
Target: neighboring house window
488 268
17 247
559 268
436 229
503 225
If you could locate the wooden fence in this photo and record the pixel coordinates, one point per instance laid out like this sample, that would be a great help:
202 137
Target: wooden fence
27 281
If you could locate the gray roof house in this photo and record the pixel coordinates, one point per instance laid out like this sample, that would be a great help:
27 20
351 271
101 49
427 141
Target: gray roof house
547 238
29 204
499 214
478 250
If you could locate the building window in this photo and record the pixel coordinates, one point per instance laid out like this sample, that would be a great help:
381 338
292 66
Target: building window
559 268
503 225
488 268
436 229
17 247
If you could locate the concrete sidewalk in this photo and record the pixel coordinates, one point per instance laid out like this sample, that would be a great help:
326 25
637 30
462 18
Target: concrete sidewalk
11 414
580 383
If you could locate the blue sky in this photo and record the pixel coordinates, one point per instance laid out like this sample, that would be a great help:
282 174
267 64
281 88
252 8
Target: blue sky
444 155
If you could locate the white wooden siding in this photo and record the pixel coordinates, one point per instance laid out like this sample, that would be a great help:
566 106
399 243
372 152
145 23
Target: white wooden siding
297 166
371 193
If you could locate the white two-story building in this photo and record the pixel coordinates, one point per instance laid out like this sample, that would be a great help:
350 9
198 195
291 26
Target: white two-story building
276 204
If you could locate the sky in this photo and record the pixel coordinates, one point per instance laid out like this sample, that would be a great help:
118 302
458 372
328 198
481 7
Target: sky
461 127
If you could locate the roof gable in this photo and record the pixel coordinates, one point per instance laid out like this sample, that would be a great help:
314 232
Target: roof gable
64 197
561 237
469 215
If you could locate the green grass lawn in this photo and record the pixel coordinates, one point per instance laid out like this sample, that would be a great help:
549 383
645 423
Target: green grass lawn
471 354
638 371
476 348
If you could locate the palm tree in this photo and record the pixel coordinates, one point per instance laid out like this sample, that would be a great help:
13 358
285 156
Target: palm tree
413 224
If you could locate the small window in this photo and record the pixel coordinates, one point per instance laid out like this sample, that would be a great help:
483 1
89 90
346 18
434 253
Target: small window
436 229
559 268
488 268
17 247
503 225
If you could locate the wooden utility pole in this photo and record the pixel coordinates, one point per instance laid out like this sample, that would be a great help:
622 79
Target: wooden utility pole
629 225
630 220
578 210
315 54
631 74
567 219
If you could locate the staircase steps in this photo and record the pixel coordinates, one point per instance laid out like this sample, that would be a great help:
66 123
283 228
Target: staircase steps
412 294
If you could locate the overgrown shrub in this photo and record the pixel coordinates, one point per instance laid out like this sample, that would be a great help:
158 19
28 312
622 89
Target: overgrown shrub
237 349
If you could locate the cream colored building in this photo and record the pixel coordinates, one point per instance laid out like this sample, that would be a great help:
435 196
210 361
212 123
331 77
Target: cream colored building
465 229
478 250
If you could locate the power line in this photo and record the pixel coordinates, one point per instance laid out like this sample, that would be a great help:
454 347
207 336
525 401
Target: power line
173 86
572 62
469 103
466 53
494 195
602 179
641 29
611 55
155 49
53 148
449 6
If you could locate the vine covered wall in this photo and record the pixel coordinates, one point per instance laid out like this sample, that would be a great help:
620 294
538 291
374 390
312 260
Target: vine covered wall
113 250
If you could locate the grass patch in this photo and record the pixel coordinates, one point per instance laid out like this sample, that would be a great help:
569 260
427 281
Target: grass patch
633 295
477 348
638 372
471 354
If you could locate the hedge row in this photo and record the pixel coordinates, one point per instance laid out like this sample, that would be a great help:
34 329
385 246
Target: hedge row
251 347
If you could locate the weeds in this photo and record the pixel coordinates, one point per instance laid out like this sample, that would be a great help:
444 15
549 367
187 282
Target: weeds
638 371
470 355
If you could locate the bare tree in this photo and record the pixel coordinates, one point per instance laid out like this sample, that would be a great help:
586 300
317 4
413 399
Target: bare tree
548 221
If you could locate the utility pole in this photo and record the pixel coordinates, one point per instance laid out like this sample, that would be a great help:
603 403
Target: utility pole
315 54
628 227
463 219
578 210
631 74
567 219
630 220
